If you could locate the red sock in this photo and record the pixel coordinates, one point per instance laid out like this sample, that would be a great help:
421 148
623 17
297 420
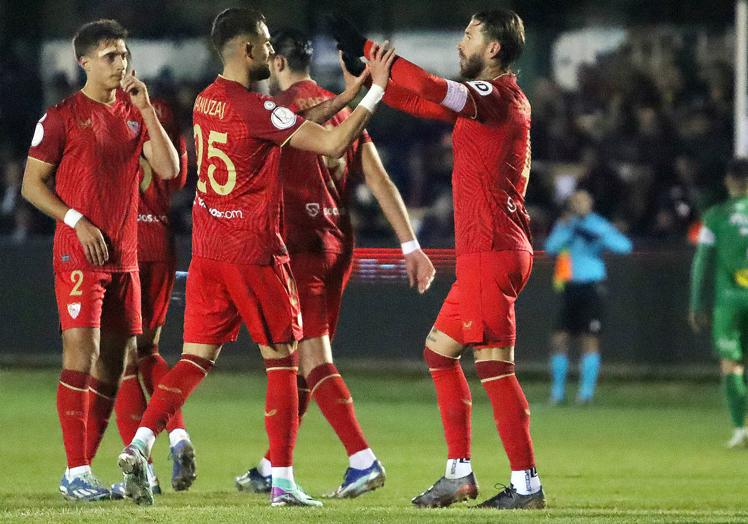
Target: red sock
511 412
282 409
303 390
152 369
172 392
454 400
130 404
72 409
334 400
100 403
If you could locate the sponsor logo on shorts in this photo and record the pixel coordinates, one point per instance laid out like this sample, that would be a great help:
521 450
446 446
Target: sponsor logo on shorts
271 412
74 309
467 324
228 214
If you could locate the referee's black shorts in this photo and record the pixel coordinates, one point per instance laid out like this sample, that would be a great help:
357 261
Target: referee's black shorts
581 309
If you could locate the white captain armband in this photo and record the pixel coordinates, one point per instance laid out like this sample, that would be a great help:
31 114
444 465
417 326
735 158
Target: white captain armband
456 97
706 236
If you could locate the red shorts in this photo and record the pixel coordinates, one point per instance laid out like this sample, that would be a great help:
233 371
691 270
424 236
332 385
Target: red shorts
156 283
479 309
321 279
221 295
99 299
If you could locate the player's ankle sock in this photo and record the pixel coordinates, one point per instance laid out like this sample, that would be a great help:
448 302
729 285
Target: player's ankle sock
511 412
283 477
265 467
282 409
334 400
144 440
526 481
176 436
362 459
735 391
71 473
153 368
303 389
72 410
589 369
454 400
100 404
172 392
130 404
559 370
458 468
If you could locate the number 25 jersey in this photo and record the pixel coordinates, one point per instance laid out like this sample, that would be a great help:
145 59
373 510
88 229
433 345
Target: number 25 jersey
237 209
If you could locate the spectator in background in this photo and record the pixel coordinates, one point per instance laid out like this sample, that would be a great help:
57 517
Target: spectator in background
578 241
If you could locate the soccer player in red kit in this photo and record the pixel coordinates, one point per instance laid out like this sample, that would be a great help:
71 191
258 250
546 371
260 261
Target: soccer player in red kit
239 270
91 142
319 237
156 265
491 140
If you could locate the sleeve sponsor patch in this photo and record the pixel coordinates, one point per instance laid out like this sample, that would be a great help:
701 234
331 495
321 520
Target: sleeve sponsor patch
282 118
483 88
38 132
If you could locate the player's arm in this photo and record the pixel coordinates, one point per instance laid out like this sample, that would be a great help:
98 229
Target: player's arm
158 150
452 95
35 189
333 142
615 241
324 111
702 271
418 266
181 179
560 237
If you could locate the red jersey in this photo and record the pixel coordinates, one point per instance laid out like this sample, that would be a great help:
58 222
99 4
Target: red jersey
155 238
96 148
237 208
316 188
491 169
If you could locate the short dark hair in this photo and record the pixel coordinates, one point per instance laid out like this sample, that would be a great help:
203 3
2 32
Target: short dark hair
507 28
91 34
233 22
295 46
737 168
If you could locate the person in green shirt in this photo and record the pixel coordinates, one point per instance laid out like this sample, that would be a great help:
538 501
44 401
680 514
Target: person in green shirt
721 262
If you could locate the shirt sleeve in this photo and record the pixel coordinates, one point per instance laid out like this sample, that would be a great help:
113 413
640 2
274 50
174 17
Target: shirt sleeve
48 142
267 120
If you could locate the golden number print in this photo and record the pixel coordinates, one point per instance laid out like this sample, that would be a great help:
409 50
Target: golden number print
214 152
77 278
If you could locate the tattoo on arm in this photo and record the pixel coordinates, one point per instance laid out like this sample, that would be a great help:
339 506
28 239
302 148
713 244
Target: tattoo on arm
324 111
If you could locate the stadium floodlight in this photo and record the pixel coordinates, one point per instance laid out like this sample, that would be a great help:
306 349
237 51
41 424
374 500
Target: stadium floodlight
741 78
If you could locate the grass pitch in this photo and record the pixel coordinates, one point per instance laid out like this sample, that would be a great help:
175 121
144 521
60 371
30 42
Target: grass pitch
644 453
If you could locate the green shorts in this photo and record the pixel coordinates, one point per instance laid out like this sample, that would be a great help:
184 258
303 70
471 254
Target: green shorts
730 332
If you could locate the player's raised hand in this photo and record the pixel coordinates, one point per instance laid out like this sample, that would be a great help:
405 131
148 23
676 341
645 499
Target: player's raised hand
92 240
349 39
134 87
380 63
354 70
420 270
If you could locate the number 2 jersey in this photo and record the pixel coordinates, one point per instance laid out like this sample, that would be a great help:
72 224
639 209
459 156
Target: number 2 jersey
237 209
96 148
316 188
155 237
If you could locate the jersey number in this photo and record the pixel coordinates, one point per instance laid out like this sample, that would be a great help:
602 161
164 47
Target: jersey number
214 152
77 278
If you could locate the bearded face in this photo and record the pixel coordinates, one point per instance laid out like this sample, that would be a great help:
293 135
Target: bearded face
259 72
471 65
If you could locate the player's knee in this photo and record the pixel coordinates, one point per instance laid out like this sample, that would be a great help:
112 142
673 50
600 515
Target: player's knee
436 360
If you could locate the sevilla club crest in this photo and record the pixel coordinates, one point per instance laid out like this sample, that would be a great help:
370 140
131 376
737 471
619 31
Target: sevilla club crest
74 309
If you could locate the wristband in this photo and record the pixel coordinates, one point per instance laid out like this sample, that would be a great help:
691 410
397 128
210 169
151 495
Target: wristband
410 246
72 217
372 98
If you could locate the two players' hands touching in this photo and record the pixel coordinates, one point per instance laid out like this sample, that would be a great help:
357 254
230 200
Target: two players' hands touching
354 71
380 63
420 270
93 242
134 87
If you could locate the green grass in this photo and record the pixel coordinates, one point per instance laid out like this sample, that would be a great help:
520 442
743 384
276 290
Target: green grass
643 453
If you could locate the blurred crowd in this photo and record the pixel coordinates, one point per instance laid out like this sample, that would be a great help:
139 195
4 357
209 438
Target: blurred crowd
647 132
